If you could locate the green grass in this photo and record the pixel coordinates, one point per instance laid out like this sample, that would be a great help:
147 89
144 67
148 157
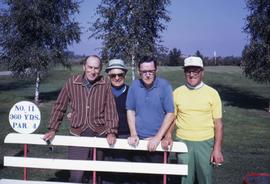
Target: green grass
246 144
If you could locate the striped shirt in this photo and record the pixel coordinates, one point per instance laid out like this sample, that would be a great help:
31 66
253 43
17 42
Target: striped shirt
92 108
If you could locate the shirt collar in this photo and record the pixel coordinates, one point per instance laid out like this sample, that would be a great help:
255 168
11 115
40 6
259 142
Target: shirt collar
80 79
118 91
154 85
194 87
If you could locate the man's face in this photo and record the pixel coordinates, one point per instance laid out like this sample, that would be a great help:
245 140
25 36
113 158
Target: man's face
117 77
147 72
92 68
193 75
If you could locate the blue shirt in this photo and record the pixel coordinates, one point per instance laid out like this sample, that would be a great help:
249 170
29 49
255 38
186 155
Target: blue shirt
150 105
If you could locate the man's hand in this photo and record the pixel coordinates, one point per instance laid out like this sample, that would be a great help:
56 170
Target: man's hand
217 157
111 139
133 140
167 143
49 135
153 143
69 116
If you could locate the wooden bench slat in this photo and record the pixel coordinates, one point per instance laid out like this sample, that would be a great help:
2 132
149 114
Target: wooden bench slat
61 140
90 165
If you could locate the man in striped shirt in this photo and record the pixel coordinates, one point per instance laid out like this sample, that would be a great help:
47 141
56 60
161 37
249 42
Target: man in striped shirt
93 110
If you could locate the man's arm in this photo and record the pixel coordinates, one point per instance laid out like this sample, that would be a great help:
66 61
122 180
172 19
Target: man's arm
167 141
57 113
111 116
217 156
133 139
154 141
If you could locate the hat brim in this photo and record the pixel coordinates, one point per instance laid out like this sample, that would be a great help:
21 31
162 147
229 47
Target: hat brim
115 67
192 66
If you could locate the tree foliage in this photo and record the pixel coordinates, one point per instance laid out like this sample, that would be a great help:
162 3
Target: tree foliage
256 55
175 57
34 34
199 54
130 28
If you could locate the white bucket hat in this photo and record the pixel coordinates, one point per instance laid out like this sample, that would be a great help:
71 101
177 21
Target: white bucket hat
116 63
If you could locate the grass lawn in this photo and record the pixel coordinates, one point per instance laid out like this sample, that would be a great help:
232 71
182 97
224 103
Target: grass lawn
246 144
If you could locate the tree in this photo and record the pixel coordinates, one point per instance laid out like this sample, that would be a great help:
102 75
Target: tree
34 35
130 29
256 55
174 57
199 54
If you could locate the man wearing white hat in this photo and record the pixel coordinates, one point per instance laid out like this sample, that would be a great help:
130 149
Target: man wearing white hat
117 72
198 123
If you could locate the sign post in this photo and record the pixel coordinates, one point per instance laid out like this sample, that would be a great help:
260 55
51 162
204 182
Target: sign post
24 118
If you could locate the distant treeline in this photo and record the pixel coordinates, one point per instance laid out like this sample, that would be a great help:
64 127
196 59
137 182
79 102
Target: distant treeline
208 61
173 59
163 60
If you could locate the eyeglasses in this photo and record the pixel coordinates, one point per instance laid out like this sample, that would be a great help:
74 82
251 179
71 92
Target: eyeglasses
150 72
194 72
120 75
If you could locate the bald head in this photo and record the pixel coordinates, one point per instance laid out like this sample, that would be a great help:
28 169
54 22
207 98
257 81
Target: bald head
92 67
92 57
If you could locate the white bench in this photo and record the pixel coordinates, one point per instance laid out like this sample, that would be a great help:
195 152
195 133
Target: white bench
89 165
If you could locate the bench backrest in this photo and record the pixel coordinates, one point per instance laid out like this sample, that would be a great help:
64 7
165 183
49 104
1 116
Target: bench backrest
91 165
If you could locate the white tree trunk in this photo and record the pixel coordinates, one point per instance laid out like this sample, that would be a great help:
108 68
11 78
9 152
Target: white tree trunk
133 67
37 88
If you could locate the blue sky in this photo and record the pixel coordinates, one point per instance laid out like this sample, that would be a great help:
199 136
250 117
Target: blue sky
204 25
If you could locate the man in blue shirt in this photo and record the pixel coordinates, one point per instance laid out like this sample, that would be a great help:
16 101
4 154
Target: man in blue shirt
150 110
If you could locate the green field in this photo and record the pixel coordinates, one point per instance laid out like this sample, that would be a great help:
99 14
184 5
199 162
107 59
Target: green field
246 144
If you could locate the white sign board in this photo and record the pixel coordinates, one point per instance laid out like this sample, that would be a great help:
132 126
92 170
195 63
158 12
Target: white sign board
24 117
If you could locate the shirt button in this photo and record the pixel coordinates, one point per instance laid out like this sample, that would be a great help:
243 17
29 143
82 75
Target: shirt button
87 107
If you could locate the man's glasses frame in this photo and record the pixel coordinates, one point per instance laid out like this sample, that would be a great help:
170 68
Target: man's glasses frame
194 72
150 72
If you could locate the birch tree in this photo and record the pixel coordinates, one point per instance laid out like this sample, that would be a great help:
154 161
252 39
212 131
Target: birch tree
34 35
130 29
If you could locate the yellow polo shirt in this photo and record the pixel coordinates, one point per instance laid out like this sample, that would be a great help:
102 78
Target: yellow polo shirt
195 111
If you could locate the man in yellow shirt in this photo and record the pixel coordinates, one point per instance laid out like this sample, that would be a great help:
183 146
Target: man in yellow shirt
198 123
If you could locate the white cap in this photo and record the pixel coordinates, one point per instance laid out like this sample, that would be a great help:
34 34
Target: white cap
193 61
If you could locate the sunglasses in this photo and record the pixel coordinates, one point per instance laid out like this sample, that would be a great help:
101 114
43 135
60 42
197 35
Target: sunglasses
117 74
